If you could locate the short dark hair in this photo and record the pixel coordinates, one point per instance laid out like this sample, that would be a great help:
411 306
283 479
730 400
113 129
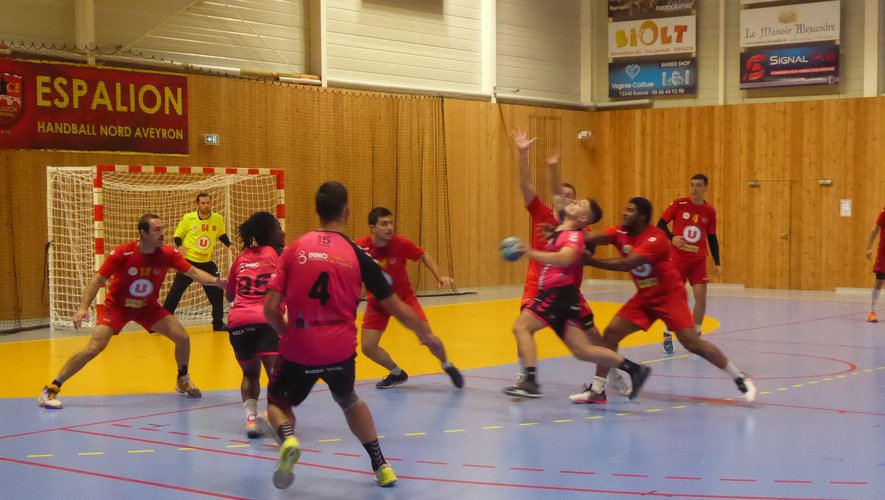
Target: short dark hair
596 216
144 223
377 213
258 228
330 200
202 195
567 185
701 177
643 206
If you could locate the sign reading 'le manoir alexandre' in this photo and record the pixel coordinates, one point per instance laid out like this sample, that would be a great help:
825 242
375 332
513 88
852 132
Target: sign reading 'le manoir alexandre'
80 108
788 24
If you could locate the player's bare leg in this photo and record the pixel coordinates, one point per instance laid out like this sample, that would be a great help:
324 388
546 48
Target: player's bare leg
877 289
616 331
170 328
98 340
524 329
370 344
692 341
700 304
282 420
362 425
578 342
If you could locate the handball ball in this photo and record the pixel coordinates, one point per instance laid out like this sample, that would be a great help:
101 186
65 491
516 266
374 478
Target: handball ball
509 251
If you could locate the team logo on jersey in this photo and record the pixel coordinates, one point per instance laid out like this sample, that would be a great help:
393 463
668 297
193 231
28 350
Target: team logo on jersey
203 242
141 288
686 215
10 98
132 271
692 234
213 228
642 271
302 257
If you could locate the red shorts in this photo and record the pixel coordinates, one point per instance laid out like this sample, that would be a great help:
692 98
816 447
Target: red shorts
672 309
529 294
879 266
692 270
376 318
116 317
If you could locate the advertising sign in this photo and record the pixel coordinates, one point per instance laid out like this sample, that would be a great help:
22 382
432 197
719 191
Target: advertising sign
80 108
787 24
652 78
652 37
789 66
622 10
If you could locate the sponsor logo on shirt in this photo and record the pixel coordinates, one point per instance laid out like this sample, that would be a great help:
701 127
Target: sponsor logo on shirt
132 271
141 288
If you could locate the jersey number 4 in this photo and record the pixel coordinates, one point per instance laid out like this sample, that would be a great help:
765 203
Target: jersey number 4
320 288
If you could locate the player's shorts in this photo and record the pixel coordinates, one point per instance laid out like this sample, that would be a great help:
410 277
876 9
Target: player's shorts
672 309
116 317
692 270
586 312
376 318
557 307
249 341
290 383
879 266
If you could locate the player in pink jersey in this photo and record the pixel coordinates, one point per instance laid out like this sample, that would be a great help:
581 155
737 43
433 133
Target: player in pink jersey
878 265
694 225
542 216
557 304
320 279
255 342
138 269
660 293
392 251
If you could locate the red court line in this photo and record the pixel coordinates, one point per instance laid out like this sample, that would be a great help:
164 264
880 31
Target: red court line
793 481
462 481
478 466
121 478
577 472
737 480
685 478
849 482
177 433
629 475
342 454
431 462
148 429
788 323
208 437
528 469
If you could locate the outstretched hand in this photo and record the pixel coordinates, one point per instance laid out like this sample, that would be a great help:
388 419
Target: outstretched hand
446 282
79 317
521 139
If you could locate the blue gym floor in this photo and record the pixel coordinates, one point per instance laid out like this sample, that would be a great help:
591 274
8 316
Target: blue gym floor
815 430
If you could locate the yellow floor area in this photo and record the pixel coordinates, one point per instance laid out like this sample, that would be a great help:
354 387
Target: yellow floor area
475 334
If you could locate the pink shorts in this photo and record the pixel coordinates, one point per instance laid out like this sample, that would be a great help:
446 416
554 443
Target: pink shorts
376 318
116 317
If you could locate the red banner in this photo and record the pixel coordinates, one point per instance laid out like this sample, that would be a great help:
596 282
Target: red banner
80 108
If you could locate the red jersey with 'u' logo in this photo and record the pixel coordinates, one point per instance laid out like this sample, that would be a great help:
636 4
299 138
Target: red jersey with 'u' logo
136 277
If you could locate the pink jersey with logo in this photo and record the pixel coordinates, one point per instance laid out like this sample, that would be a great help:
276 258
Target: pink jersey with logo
247 281
137 277
657 277
551 276
321 276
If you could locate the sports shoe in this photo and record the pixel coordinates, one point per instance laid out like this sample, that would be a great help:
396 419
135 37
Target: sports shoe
638 379
616 382
290 452
186 387
745 385
391 380
524 389
49 397
455 375
872 318
385 475
588 397
253 431
669 348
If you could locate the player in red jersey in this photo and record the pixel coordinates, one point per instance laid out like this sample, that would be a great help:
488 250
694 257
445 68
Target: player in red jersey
660 293
557 304
138 269
543 216
392 251
255 342
320 278
879 265
694 225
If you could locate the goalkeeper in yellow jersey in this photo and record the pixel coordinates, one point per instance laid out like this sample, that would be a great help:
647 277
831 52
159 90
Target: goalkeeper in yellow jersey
195 239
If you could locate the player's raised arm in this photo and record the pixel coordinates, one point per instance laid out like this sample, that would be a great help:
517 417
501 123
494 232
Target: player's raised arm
523 143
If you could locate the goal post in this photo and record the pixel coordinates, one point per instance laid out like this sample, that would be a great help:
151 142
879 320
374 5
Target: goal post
92 209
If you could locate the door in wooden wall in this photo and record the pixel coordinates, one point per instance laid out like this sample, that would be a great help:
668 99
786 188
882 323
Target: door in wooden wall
766 254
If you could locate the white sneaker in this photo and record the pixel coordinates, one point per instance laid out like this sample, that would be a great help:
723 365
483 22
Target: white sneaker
745 385
616 382
49 398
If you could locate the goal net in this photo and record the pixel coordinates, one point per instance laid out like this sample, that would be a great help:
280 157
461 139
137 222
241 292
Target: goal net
90 210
